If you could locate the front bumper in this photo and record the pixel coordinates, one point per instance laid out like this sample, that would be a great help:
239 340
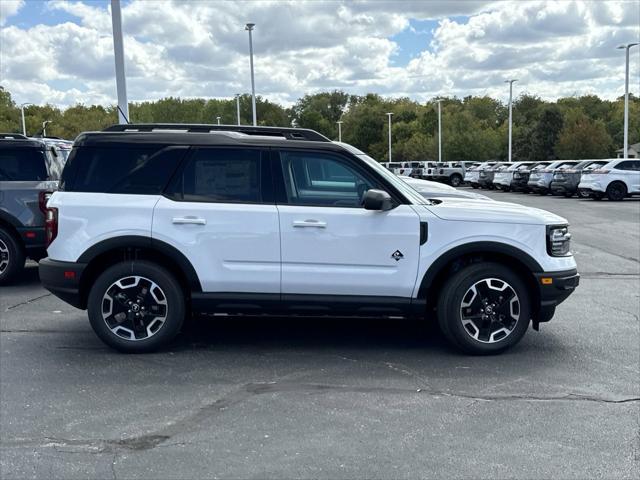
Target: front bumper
553 289
63 280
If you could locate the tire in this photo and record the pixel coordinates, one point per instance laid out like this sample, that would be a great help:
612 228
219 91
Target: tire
493 335
12 257
616 191
123 285
455 180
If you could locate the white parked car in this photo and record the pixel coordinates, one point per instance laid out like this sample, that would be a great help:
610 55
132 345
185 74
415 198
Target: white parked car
616 180
155 221
429 189
504 174
472 175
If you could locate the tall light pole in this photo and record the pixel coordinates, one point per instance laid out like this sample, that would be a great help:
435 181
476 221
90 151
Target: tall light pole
339 122
249 28
44 127
510 82
238 107
218 118
118 50
439 131
389 114
626 100
24 127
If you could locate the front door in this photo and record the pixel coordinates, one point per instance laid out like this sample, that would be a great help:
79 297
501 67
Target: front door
330 244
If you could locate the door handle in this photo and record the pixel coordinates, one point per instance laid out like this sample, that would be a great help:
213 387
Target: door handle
309 223
189 221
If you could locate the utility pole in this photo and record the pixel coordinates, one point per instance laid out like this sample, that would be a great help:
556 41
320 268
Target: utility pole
626 100
510 82
238 106
439 131
249 27
24 127
44 127
339 122
118 50
389 114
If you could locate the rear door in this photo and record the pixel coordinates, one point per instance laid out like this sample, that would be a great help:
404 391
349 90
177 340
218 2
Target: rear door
331 245
219 211
629 172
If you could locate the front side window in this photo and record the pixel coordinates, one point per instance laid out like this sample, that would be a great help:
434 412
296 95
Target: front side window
221 175
22 164
319 179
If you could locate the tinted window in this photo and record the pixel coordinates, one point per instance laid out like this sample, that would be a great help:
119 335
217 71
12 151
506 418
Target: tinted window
225 175
628 165
22 164
120 170
318 179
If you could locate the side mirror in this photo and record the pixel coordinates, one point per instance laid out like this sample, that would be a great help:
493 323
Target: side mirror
377 200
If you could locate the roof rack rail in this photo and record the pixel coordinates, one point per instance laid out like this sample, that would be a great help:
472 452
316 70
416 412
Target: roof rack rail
13 136
288 133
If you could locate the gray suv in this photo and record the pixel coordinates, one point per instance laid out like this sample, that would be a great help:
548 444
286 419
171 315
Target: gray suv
29 170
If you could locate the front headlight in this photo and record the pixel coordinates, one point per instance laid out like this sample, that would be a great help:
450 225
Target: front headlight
558 240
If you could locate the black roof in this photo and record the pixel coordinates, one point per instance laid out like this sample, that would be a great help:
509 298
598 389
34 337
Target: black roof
193 134
14 140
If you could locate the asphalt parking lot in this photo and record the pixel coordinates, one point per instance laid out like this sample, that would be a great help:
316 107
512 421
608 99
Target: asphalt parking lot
300 398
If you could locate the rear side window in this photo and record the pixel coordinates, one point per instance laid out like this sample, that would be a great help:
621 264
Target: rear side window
22 164
144 171
220 175
633 165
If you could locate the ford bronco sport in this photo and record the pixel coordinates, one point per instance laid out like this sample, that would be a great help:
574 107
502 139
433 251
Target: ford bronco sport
153 222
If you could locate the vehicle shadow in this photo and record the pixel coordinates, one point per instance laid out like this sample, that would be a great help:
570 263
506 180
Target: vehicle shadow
298 332
28 276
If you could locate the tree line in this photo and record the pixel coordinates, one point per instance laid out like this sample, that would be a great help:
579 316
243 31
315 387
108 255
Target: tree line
473 128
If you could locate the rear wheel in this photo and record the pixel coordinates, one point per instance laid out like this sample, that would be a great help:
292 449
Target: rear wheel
136 307
484 309
616 191
455 180
12 257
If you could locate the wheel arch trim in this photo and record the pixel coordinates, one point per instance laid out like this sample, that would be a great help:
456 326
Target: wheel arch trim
135 241
478 248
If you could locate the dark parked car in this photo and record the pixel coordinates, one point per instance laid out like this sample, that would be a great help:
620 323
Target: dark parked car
485 178
29 170
521 176
565 180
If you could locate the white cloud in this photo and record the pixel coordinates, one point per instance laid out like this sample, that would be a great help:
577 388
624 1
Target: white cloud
9 8
201 49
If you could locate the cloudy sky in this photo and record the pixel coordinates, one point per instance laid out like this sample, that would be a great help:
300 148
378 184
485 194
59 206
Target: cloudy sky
61 51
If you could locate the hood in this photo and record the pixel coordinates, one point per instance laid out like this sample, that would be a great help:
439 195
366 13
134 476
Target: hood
469 210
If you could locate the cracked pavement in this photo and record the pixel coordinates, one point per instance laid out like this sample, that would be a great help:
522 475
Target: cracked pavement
336 398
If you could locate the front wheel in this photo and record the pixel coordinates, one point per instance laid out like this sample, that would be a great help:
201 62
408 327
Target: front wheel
455 180
616 191
136 307
484 309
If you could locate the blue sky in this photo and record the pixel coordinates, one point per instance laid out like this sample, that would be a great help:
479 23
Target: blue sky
61 51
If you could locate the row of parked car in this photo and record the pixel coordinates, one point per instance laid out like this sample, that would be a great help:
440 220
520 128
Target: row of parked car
614 179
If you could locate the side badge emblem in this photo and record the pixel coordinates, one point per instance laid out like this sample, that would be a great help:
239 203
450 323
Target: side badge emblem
397 255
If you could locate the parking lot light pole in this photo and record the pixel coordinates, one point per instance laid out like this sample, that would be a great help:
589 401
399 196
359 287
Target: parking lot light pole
626 99
249 28
238 107
118 50
339 122
439 131
218 119
389 114
510 82
24 127
44 127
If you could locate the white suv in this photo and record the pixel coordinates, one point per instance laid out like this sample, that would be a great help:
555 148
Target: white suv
153 222
617 179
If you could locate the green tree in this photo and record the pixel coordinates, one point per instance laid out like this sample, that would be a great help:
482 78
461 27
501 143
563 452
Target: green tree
583 138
